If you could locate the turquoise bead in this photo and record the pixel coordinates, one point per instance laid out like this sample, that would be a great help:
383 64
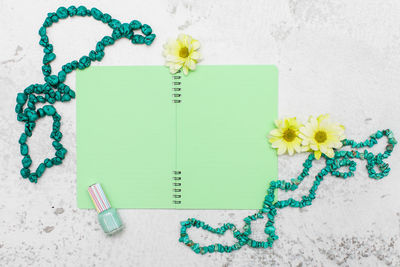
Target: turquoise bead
42 31
99 47
51 100
56 125
62 75
65 98
48 163
81 11
72 10
125 29
25 172
270 229
146 29
92 55
53 16
26 161
41 99
106 18
33 177
148 40
85 61
56 161
24 149
138 39
114 24
56 135
18 110
107 40
40 169
22 139
32 115
48 49
49 110
44 41
41 112
57 145
58 96
99 55
74 64
21 98
47 58
62 12
135 25
97 14
61 153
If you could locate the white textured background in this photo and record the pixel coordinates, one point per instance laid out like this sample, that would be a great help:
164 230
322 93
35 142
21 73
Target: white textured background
339 57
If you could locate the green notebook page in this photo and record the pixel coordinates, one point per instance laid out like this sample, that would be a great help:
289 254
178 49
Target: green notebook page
131 136
224 119
124 135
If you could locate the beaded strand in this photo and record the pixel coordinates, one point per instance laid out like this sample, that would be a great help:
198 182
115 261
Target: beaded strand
270 205
54 90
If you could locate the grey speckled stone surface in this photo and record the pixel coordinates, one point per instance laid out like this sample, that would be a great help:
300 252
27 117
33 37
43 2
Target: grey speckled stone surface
340 57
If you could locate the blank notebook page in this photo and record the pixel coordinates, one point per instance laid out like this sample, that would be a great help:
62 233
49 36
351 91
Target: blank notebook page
223 122
124 135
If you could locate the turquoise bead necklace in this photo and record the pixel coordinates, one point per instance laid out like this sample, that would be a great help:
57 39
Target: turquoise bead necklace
54 90
271 205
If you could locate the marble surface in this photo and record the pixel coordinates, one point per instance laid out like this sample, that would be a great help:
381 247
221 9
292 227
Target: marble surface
339 57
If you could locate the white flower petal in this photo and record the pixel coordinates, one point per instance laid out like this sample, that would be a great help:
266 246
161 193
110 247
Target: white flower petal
277 143
324 149
279 123
306 131
281 150
173 58
191 64
313 122
185 70
195 44
182 37
337 145
276 132
290 150
195 56
314 147
305 148
297 148
172 69
330 153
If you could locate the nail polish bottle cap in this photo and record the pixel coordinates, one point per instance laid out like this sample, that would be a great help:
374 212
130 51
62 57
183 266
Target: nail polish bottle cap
99 199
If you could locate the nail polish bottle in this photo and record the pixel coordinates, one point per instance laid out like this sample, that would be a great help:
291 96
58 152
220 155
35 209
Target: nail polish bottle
108 216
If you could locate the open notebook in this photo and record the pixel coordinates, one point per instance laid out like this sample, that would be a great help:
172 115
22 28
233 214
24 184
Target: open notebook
156 140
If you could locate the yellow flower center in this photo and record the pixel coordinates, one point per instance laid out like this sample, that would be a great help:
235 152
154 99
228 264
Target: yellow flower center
184 52
289 135
320 136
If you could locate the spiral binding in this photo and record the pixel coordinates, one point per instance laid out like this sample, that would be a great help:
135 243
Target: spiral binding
176 87
177 187
176 177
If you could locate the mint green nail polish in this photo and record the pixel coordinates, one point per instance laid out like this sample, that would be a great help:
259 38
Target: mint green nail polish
108 216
